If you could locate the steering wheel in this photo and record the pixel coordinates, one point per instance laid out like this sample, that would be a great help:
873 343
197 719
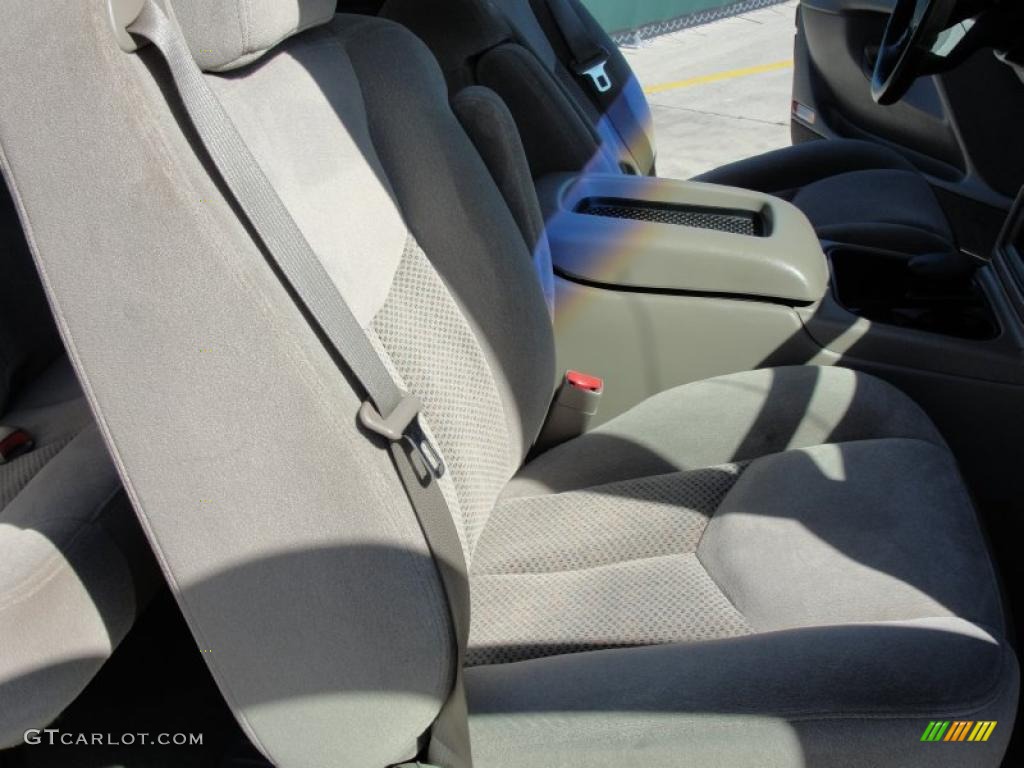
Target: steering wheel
909 35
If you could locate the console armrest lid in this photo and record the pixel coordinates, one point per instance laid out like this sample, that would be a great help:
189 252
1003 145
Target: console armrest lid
784 262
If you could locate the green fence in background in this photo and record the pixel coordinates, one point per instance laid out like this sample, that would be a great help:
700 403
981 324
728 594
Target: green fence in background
626 19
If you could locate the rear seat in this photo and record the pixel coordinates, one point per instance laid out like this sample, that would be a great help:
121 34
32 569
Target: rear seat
75 569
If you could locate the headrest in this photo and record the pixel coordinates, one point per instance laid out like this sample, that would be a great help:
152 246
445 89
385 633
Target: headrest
456 31
226 34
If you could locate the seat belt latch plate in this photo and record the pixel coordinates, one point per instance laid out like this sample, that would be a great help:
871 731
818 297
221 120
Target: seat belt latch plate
395 425
403 424
597 70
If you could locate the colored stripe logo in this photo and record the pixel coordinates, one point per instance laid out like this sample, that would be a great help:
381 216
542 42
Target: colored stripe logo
958 730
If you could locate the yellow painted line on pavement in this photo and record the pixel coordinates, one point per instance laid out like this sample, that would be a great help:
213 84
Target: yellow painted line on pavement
717 77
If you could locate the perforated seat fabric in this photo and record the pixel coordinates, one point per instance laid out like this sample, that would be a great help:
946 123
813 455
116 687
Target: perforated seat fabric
775 568
606 566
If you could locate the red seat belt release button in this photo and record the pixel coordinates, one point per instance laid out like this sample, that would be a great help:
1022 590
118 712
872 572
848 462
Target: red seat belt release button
13 443
584 381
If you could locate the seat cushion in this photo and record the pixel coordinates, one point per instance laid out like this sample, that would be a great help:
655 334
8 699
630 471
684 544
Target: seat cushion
74 567
852 191
707 598
881 208
727 419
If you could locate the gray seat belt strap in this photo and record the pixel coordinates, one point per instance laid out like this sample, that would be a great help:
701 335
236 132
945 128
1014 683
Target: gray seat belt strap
389 411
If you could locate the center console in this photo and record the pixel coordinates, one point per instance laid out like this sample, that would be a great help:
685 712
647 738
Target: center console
883 287
644 233
663 282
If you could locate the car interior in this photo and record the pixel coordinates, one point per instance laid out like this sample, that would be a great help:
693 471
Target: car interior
367 398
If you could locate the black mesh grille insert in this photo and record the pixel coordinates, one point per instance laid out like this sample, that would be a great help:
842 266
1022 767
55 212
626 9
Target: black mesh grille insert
719 219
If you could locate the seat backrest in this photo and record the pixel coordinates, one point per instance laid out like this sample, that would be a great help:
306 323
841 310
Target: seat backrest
517 48
74 566
280 525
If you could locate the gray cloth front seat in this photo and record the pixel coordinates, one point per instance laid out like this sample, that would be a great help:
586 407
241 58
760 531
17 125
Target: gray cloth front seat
765 568
852 191
75 569
778 567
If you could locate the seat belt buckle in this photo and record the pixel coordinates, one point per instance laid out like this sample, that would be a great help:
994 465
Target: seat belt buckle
576 403
13 443
597 70
403 424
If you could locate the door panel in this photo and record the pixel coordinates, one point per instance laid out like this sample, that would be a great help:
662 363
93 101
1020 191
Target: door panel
960 128
841 47
989 99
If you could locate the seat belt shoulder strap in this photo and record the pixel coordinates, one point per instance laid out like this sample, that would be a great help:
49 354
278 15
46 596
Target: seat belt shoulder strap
388 411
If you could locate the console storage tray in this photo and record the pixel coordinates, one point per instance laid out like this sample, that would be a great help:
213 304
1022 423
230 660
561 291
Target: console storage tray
880 286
